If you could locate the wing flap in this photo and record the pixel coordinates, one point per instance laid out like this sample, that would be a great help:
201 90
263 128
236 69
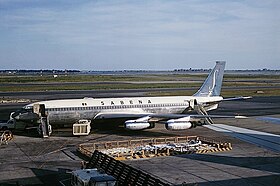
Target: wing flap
161 117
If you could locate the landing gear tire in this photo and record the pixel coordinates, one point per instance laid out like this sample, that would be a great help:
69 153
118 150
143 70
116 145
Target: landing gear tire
39 130
4 128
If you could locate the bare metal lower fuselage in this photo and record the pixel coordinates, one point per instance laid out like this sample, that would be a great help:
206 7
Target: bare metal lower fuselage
69 117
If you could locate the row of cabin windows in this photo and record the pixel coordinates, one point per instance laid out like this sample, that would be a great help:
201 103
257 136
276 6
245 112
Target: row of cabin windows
114 107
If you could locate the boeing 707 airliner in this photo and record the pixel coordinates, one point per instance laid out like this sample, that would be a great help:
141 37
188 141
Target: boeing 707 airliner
142 112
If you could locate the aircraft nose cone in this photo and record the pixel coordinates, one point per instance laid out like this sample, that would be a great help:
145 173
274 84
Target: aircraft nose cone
28 116
16 117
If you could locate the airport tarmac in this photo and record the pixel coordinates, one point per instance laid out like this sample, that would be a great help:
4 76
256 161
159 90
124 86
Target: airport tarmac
28 160
68 94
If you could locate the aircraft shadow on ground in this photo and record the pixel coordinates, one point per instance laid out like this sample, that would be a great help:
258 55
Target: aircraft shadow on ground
256 163
42 177
112 126
260 180
270 164
27 133
51 177
120 131
141 133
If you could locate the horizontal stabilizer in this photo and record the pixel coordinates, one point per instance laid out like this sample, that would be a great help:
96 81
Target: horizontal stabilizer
238 98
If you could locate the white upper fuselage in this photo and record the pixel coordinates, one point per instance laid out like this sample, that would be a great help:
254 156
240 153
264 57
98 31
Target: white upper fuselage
68 111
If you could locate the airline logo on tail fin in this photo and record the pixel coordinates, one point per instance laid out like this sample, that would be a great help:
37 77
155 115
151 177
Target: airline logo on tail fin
213 83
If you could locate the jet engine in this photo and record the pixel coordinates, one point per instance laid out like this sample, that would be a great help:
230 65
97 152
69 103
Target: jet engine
139 124
179 124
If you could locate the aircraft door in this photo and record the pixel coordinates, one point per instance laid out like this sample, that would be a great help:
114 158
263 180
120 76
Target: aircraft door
44 126
40 109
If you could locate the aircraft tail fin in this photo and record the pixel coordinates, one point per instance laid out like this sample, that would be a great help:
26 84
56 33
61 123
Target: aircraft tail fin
213 83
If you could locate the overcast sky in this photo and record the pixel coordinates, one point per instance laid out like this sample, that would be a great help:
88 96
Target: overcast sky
139 34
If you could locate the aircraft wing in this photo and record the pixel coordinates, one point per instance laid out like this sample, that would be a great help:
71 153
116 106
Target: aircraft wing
194 116
172 121
151 117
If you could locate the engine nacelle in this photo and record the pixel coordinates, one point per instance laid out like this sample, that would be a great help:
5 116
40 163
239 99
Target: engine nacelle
179 124
139 124
130 125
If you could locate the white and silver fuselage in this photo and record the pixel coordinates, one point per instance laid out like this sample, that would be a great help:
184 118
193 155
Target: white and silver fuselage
69 111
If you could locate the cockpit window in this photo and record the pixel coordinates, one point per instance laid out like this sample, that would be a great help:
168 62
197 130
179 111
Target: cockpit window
27 108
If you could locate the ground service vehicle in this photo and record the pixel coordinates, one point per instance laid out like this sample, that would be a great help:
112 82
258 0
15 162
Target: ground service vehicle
7 125
91 177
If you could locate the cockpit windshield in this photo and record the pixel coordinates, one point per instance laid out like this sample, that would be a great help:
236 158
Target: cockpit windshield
27 108
22 111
